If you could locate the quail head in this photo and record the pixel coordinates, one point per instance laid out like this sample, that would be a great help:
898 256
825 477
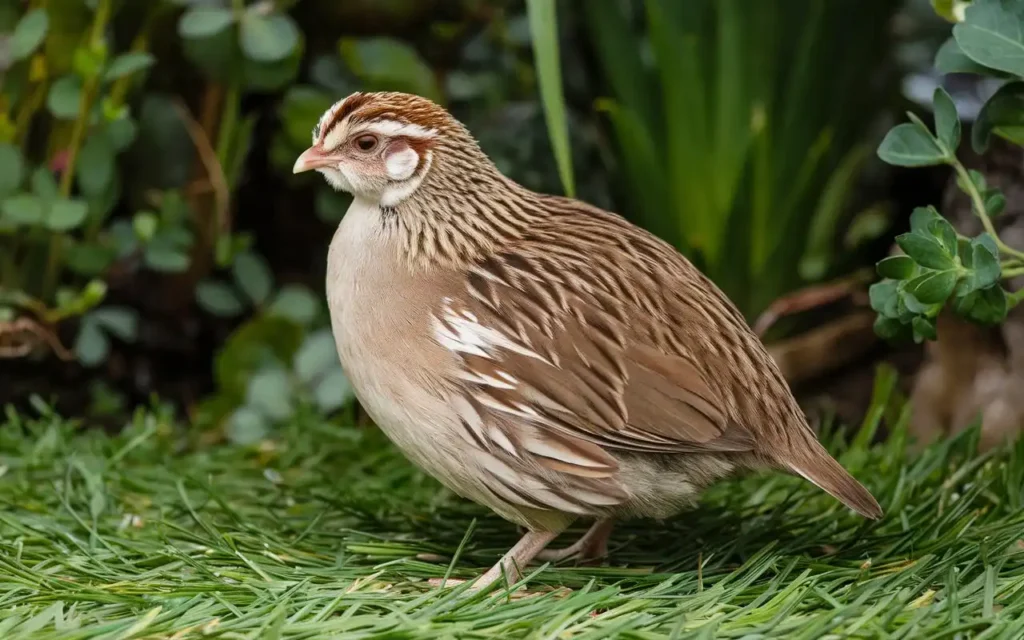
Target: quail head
536 354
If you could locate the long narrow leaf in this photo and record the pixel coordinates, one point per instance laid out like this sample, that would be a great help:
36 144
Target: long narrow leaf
544 28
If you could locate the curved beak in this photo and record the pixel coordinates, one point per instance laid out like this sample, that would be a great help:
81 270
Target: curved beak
312 158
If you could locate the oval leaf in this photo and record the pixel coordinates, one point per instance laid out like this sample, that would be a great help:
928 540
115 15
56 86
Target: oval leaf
65 97
218 298
12 169
270 392
925 250
991 35
65 215
253 277
896 267
933 287
127 64
268 38
203 22
29 34
22 209
1003 114
906 145
947 121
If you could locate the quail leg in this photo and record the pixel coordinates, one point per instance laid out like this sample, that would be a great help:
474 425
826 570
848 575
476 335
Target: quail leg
518 556
591 546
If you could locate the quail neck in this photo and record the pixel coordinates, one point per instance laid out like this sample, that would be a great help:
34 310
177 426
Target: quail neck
535 354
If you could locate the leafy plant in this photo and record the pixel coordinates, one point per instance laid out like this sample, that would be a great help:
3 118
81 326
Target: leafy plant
940 267
740 127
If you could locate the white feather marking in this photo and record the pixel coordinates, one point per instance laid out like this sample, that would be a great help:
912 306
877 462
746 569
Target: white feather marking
502 440
464 335
393 128
395 193
556 451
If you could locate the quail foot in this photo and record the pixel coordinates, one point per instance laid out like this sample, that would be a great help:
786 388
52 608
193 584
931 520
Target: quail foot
536 354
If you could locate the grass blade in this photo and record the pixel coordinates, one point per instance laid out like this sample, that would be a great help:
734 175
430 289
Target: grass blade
544 30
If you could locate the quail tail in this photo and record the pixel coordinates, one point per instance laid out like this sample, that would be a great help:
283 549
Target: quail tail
815 465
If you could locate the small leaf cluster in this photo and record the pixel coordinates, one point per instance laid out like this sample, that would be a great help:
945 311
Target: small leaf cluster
938 266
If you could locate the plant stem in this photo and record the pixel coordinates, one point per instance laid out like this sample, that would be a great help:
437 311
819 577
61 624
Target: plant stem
979 207
1015 298
67 180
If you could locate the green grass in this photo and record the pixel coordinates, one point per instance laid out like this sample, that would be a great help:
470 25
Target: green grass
328 533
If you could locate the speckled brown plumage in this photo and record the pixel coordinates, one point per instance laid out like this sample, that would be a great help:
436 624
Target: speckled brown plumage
537 354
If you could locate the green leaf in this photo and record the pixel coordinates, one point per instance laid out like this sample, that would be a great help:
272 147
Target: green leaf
296 303
89 259
945 233
387 64
92 345
145 225
122 322
121 133
12 169
316 356
888 328
1003 114
995 203
218 298
924 328
881 295
268 38
203 22
166 259
95 166
544 29
922 217
991 35
951 59
45 185
253 277
66 214
333 391
925 250
896 267
947 121
23 209
985 265
933 287
987 306
270 392
247 426
128 63
29 34
906 145
65 97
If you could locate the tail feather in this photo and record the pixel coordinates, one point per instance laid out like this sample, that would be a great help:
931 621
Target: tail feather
818 467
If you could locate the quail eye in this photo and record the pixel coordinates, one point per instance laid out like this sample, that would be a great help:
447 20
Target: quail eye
366 143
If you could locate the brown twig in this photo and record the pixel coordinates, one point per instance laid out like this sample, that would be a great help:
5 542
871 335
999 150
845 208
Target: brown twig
810 298
23 335
214 170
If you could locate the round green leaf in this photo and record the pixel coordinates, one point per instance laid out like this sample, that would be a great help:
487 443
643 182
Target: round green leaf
89 259
333 391
218 298
896 267
991 35
95 167
268 38
390 64
924 328
952 59
65 97
122 322
92 345
29 34
203 22
65 215
906 145
12 169
145 224
933 287
316 356
985 265
121 133
270 392
253 277
23 209
247 426
165 259
881 295
921 217
44 184
127 64
926 250
296 303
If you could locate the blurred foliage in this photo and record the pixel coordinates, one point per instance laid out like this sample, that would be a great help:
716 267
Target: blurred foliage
741 127
938 266
130 132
